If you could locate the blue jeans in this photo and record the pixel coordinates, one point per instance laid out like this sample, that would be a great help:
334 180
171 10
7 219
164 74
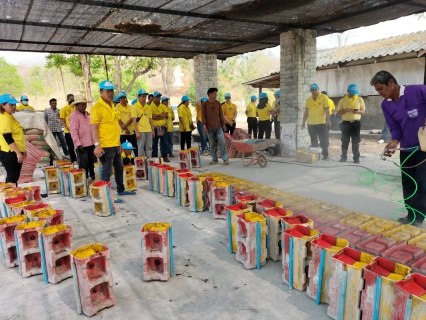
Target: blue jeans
170 142
202 136
385 132
217 134
61 137
163 144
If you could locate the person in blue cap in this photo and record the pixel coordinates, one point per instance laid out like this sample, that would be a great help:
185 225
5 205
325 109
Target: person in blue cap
351 107
276 117
126 155
126 121
116 100
24 106
263 110
251 117
65 114
12 140
106 136
200 129
159 119
230 112
134 101
185 123
143 124
170 128
317 115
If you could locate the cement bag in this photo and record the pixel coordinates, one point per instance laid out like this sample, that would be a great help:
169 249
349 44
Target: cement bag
39 143
34 132
288 139
33 137
422 138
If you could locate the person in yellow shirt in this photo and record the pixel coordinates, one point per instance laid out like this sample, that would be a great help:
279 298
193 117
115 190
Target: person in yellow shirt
317 115
230 112
12 140
159 119
106 137
142 122
125 121
203 136
24 106
170 128
185 123
276 118
64 114
330 102
263 110
351 107
251 117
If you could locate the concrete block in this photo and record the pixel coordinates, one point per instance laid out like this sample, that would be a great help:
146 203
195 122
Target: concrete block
141 164
51 217
77 183
221 197
378 226
52 180
103 198
197 194
410 298
7 239
231 223
274 224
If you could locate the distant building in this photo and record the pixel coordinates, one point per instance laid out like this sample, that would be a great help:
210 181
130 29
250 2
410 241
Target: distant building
404 56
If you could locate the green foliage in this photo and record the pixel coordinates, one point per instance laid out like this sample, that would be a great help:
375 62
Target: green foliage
10 81
35 82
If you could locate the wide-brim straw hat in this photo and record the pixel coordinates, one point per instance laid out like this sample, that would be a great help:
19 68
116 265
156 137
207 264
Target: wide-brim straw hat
78 99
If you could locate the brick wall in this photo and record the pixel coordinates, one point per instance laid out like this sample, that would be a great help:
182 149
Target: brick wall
205 74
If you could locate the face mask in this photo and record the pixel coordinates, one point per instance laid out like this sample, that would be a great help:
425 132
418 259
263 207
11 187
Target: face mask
69 102
25 103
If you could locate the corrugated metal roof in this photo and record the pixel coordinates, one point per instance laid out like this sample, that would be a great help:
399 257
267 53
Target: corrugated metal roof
374 49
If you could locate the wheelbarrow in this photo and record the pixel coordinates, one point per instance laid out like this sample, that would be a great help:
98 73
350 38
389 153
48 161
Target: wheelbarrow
256 148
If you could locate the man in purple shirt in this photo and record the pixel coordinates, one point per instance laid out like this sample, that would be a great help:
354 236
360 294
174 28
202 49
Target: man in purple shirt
404 108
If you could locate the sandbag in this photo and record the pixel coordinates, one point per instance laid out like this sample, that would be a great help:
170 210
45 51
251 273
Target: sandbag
34 132
45 159
47 148
39 143
33 137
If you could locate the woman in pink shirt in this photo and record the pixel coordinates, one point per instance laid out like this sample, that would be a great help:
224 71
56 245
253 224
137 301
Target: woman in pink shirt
81 134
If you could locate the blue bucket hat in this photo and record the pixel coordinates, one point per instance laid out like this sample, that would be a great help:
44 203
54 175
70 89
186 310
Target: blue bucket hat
134 101
277 93
127 146
142 92
263 95
121 94
164 98
185 98
314 86
204 99
107 85
156 94
24 98
8 98
227 95
253 98
353 89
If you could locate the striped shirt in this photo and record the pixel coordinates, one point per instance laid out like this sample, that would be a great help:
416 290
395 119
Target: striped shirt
52 118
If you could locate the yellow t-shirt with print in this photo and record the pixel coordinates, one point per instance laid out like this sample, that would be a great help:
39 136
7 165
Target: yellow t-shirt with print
316 109
144 113
125 115
107 117
21 107
251 110
229 110
185 113
65 114
355 103
8 124
264 113
170 119
156 111
199 110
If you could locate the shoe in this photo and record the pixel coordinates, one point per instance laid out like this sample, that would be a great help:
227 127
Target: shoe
405 220
417 224
166 159
325 158
205 153
126 193
93 178
44 195
172 155
226 162
342 159
381 141
356 161
116 200
213 162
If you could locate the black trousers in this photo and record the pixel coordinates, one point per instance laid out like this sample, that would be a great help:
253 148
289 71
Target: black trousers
252 126
418 200
319 131
70 145
277 128
86 161
185 137
112 158
230 129
265 127
132 139
351 131
10 163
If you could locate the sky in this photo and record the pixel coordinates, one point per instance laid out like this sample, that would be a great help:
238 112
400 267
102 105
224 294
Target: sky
379 31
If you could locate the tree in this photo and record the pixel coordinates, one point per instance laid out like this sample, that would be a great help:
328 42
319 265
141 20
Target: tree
117 73
58 61
138 66
340 39
10 81
167 67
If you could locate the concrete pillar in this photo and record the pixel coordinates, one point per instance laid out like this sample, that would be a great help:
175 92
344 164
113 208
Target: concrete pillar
297 71
205 74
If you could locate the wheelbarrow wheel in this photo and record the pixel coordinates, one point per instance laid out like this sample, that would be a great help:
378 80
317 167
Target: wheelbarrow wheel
261 160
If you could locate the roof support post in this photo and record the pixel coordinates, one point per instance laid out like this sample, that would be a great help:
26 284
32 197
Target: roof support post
205 74
297 71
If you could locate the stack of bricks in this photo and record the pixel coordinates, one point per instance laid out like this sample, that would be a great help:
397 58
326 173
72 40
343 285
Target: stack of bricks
141 164
129 177
103 198
221 197
157 251
7 239
55 246
77 183
28 248
52 180
92 278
